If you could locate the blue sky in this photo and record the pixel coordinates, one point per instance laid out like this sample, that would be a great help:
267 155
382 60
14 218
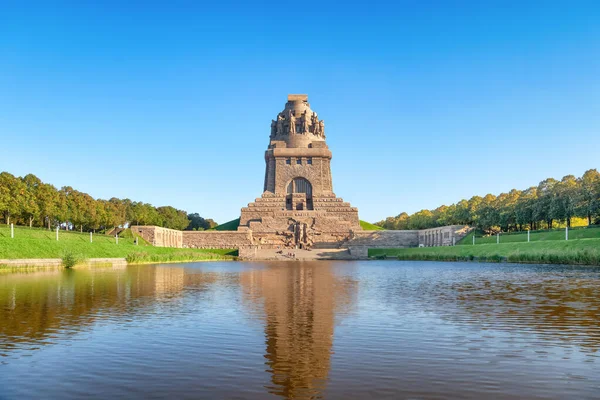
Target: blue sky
425 102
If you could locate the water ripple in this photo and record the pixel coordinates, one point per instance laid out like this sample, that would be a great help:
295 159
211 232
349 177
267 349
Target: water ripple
302 330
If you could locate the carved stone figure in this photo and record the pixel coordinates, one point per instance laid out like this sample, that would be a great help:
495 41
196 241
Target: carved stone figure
273 128
314 122
316 128
280 124
292 123
305 124
322 129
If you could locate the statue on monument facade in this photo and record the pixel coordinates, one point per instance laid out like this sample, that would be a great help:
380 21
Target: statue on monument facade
317 127
305 124
280 124
292 122
314 123
322 129
273 128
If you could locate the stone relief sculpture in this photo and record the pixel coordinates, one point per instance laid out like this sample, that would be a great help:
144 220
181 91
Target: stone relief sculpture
273 128
287 123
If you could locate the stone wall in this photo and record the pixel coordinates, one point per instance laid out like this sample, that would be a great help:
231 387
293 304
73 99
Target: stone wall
289 163
384 239
159 237
217 239
163 237
442 236
248 241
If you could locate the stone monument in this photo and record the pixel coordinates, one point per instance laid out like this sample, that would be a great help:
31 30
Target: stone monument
298 208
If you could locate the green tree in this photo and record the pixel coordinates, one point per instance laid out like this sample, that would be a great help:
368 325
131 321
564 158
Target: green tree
589 195
197 223
12 193
120 211
462 214
421 220
48 200
524 208
506 207
475 204
488 215
173 218
565 199
543 204
29 204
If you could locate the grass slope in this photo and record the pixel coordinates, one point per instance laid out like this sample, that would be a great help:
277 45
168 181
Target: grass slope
40 243
367 226
592 232
228 226
583 251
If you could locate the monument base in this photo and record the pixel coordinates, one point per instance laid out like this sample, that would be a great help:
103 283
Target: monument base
329 224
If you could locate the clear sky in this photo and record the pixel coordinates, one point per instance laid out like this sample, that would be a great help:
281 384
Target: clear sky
425 102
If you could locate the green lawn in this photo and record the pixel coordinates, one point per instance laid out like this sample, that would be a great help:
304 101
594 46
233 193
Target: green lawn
41 243
367 226
228 226
583 251
592 232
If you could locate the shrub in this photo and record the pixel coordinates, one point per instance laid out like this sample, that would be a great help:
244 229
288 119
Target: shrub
137 256
70 259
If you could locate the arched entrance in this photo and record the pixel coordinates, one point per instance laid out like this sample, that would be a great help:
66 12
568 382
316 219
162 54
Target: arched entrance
299 195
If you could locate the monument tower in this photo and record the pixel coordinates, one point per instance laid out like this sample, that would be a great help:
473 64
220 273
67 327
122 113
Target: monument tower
298 207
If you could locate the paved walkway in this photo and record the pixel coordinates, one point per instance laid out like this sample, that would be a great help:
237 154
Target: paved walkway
304 255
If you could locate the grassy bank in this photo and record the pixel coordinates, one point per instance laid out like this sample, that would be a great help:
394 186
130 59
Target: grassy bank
40 243
591 232
227 226
183 255
581 252
367 226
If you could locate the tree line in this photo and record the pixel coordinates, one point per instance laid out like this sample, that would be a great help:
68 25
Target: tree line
538 207
29 201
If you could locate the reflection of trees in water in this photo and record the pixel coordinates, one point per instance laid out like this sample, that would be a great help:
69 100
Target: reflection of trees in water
558 303
299 302
35 305
563 308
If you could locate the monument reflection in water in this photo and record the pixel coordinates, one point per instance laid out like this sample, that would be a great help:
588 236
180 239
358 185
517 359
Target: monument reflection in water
301 330
298 307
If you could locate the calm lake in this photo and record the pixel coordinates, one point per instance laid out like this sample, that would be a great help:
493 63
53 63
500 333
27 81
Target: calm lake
333 330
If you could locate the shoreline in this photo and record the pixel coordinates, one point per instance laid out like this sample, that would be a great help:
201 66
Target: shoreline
503 260
92 262
42 263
